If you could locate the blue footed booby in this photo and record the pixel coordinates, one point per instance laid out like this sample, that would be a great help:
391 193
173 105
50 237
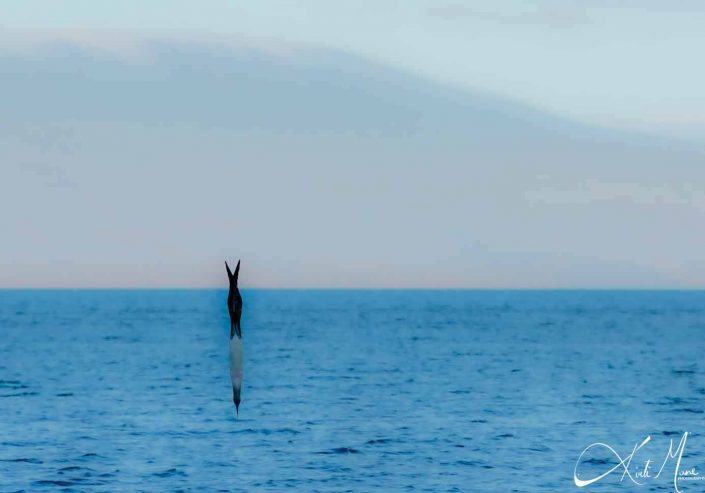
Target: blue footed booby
235 310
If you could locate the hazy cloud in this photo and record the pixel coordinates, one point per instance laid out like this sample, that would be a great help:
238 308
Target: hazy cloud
592 191
676 6
555 15
50 175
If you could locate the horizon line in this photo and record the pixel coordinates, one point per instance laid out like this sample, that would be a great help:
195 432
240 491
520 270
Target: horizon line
420 288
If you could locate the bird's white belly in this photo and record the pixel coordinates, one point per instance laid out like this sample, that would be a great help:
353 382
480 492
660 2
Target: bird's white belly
236 361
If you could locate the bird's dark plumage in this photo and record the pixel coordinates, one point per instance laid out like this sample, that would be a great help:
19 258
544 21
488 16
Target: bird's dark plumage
234 302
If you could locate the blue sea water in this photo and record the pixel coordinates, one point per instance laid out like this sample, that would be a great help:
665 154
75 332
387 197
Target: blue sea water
354 391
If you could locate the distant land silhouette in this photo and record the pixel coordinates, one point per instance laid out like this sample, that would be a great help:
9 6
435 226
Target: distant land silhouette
371 176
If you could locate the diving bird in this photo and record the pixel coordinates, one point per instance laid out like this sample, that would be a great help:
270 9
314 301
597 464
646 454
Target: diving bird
235 310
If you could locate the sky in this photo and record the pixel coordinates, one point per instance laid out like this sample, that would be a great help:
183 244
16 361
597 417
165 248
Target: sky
353 144
622 63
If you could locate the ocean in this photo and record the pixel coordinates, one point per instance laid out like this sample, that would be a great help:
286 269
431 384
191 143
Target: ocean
352 391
